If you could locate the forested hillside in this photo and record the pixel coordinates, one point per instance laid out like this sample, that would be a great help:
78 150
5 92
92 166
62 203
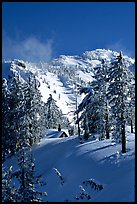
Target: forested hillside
92 96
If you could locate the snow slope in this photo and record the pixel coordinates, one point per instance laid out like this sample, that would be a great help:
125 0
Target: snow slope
62 86
49 83
98 161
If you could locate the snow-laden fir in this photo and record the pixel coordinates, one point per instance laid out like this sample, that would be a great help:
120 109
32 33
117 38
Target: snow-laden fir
88 170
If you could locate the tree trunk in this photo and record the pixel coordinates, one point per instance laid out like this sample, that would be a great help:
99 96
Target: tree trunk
123 129
123 139
78 126
107 127
131 126
77 114
107 134
107 121
59 128
86 135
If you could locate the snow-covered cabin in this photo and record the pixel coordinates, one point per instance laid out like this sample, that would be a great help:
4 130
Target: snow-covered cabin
53 133
62 134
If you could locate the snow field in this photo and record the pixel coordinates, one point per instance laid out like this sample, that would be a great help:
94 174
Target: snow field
101 161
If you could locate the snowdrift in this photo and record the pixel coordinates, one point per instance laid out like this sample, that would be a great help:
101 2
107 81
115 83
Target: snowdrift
90 171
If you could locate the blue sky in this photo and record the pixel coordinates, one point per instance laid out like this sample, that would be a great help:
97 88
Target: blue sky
43 30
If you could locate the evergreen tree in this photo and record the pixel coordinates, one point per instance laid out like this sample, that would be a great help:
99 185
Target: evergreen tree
94 107
8 188
54 115
22 113
131 103
28 182
100 86
77 113
34 114
16 112
85 107
118 93
5 120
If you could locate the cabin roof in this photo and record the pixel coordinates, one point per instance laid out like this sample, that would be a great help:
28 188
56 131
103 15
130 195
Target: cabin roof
53 133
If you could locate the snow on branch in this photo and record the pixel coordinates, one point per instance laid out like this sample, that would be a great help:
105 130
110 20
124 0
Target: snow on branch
59 175
93 184
83 194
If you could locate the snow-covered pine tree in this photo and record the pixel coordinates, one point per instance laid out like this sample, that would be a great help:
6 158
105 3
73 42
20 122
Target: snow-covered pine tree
49 112
54 115
34 113
22 115
28 182
94 106
5 120
92 111
26 191
75 91
85 108
131 103
118 93
100 86
8 188
19 127
16 112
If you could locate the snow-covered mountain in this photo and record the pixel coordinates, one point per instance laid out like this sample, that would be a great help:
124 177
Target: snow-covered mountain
91 58
60 76
76 170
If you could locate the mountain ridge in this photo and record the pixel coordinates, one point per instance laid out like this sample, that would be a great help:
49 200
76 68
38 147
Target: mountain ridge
62 75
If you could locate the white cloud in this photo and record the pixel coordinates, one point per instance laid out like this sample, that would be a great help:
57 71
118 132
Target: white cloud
30 49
